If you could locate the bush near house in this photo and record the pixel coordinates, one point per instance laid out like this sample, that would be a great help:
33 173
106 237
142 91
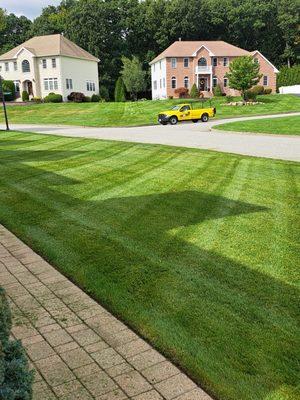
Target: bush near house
53 98
76 97
217 91
267 91
15 378
288 76
95 98
182 92
25 95
9 87
87 99
103 93
194 92
258 90
250 95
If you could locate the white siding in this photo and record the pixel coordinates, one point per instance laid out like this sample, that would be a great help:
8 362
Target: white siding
80 71
159 75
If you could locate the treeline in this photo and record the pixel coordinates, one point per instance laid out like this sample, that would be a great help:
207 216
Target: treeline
110 29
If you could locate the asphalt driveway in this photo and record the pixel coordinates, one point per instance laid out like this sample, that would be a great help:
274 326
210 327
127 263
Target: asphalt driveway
200 135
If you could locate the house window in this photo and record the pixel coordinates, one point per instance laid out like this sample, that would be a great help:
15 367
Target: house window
6 66
173 82
215 61
90 86
164 82
174 62
225 82
160 84
214 81
53 62
50 84
256 60
15 66
154 85
265 80
17 86
225 61
69 84
25 66
186 82
44 63
202 62
186 62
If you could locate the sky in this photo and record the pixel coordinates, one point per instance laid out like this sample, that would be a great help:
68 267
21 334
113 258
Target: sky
29 8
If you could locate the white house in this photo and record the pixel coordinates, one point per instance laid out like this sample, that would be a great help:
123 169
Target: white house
52 63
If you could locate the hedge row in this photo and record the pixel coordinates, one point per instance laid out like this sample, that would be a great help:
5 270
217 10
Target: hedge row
15 378
288 76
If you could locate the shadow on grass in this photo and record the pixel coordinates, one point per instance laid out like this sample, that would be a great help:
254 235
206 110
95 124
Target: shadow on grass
233 328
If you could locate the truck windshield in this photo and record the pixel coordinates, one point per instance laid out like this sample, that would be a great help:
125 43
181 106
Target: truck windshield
175 108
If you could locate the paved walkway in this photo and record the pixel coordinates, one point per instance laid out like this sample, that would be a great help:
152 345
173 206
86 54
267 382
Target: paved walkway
78 349
190 135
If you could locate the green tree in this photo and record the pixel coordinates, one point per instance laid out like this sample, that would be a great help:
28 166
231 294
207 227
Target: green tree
133 76
243 74
2 20
120 90
194 92
53 19
289 24
15 31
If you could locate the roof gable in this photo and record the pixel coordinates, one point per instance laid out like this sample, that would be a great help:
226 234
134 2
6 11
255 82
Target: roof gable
216 48
50 45
269 62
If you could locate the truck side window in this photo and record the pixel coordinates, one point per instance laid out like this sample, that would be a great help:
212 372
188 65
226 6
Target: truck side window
185 108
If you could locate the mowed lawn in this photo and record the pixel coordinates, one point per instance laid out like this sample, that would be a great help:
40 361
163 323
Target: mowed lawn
197 251
137 113
275 126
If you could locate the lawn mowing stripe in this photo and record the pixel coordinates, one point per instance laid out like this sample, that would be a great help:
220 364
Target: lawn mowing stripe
220 313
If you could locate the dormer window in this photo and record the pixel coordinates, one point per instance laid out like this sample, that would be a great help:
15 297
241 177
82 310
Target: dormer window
186 62
174 62
225 61
25 66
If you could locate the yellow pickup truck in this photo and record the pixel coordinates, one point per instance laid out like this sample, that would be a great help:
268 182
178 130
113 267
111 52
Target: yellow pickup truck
185 112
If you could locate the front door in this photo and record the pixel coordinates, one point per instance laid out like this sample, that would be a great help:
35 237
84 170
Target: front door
202 84
29 88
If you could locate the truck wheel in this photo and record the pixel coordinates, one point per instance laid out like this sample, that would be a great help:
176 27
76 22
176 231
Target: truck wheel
195 120
163 123
204 117
173 120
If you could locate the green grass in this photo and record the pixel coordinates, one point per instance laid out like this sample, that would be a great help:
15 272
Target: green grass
135 113
196 250
276 126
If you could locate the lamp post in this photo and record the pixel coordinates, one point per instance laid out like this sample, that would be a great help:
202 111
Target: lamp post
3 102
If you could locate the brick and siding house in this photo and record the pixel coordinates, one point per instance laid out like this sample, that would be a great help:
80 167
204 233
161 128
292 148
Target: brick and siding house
204 63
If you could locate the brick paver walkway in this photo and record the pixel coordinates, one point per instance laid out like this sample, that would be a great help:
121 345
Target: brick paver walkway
78 349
